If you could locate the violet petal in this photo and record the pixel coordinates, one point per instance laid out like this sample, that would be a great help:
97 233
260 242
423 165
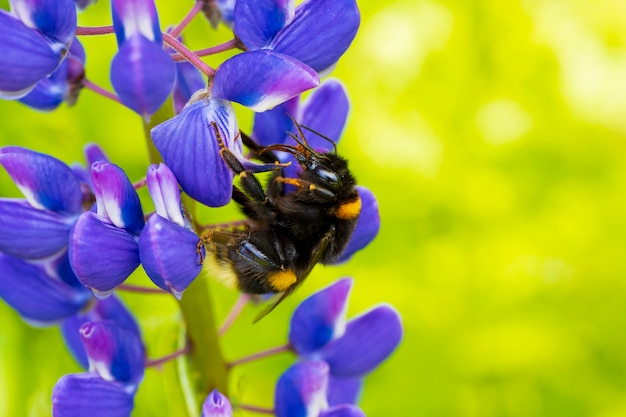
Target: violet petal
80 395
31 233
188 81
325 111
216 405
369 339
102 255
321 31
257 21
190 149
301 390
50 92
271 126
163 189
262 79
137 17
54 18
344 390
36 296
343 411
320 318
169 255
45 181
142 74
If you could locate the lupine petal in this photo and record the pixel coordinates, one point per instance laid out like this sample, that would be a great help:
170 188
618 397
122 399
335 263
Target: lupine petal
188 81
258 21
301 390
325 111
45 181
367 226
190 149
35 295
142 74
116 198
50 92
108 309
271 126
321 31
80 395
137 17
31 233
169 254
163 189
262 79
94 153
343 411
368 340
115 353
344 390
26 57
102 255
54 18
216 405
227 11
320 318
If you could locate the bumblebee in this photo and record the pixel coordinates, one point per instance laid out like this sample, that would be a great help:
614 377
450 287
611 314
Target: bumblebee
292 224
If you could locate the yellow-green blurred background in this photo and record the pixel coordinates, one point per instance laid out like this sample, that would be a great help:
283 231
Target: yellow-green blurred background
494 136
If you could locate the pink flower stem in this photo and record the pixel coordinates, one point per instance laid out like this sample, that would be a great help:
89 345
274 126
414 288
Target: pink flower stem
141 183
99 90
160 361
234 312
226 46
255 409
139 289
95 30
260 355
183 24
188 54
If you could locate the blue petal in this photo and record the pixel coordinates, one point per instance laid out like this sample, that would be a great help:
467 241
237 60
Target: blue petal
321 31
36 296
320 318
109 309
256 22
344 390
115 196
367 226
216 405
227 10
169 254
262 79
115 353
54 18
26 57
271 126
369 339
190 149
142 74
102 255
137 17
31 233
343 411
325 111
301 390
81 395
50 92
188 81
45 181
94 153
163 189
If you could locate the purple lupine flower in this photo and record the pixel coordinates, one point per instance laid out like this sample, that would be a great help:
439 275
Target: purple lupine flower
318 330
38 226
64 84
317 32
103 246
142 72
116 365
188 81
216 405
302 390
37 35
167 245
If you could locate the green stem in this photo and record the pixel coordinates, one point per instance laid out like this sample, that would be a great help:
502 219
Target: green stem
207 365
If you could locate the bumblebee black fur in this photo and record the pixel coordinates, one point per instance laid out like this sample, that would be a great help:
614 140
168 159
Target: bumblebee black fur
286 233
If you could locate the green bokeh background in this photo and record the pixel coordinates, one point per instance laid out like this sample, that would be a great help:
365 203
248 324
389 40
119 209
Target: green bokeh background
494 136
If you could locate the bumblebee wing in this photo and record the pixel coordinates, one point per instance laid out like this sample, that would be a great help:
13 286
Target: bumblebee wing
316 256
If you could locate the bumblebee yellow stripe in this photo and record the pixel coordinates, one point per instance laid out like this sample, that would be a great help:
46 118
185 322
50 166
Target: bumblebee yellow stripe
349 210
282 280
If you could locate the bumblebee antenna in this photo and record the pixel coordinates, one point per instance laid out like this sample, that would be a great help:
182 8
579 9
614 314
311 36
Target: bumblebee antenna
326 138
302 142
